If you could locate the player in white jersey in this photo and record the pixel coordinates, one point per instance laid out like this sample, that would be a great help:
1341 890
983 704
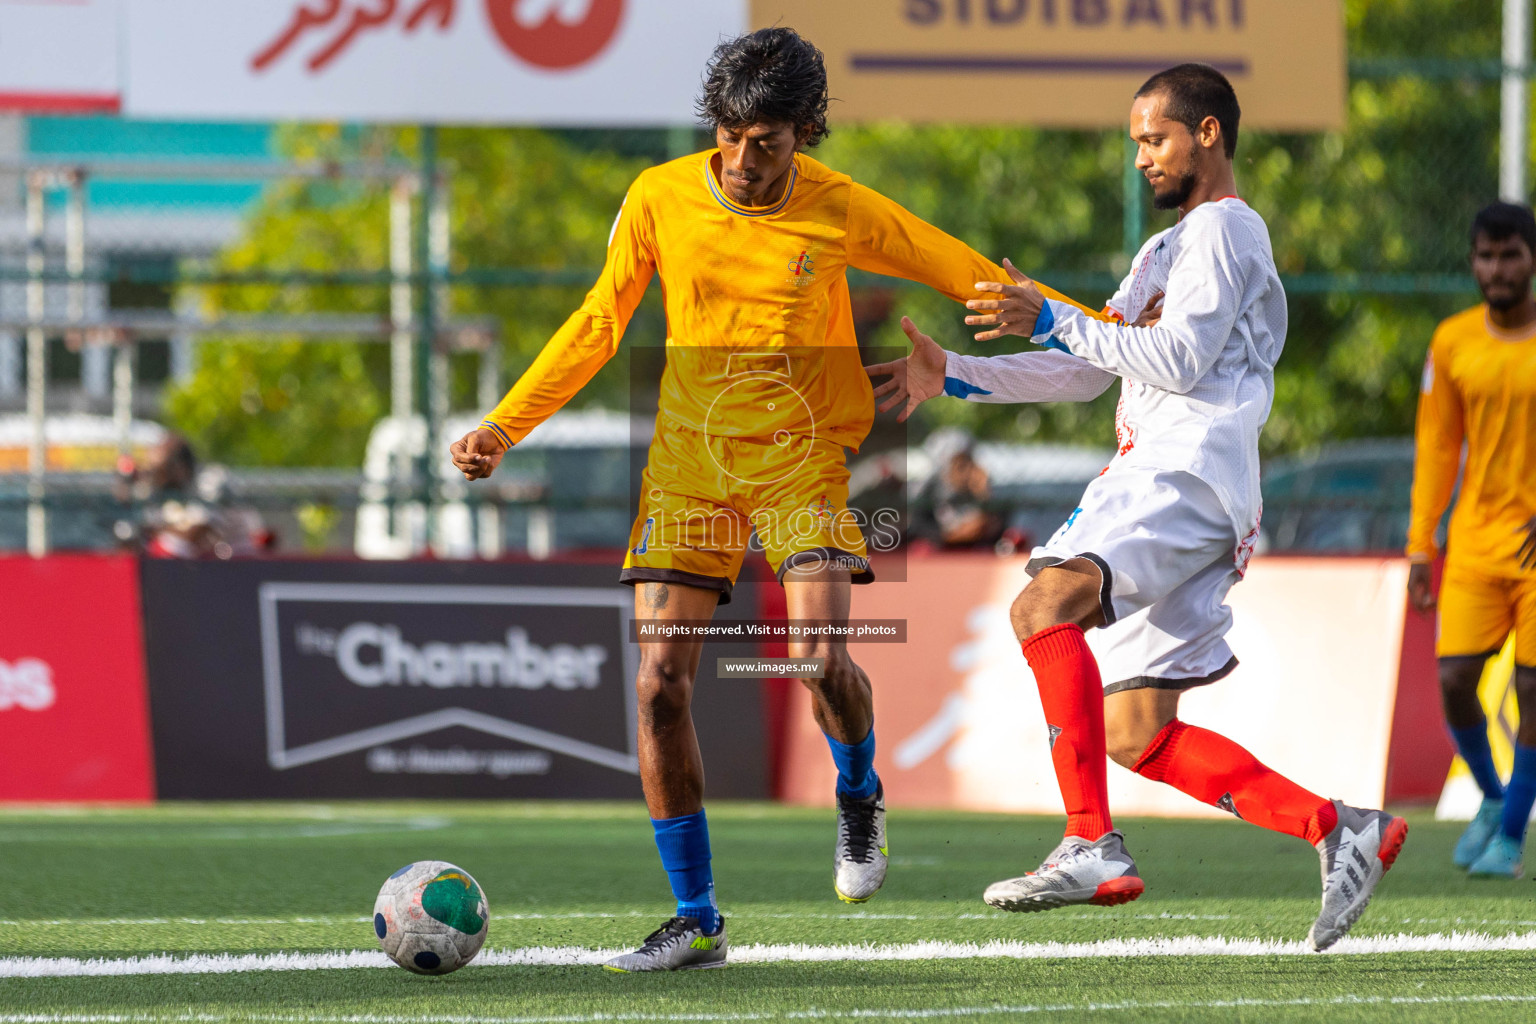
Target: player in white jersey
1168 528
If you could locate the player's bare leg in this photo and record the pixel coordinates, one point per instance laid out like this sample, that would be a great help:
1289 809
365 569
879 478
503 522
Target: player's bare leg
1356 845
843 704
671 768
672 775
1090 865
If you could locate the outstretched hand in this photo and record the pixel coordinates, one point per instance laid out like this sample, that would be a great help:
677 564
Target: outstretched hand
1014 312
477 453
915 378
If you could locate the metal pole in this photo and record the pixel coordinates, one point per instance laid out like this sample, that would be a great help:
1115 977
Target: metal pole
1134 188
488 390
400 386
426 316
437 266
183 342
37 373
1515 101
74 243
94 359
122 394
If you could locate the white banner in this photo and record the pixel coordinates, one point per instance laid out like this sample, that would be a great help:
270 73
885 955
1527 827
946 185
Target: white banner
572 62
959 712
59 55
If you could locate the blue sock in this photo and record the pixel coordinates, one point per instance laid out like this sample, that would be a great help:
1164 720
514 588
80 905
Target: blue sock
684 847
1472 744
855 766
1521 793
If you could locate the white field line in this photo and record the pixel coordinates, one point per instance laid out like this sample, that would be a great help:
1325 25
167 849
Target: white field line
551 956
859 915
927 1013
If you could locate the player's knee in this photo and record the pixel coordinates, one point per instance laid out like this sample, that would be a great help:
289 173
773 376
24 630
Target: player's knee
664 687
838 670
1032 612
1459 678
1125 742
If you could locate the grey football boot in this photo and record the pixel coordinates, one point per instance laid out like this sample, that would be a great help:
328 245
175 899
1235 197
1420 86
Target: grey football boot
1355 856
678 945
859 861
1077 871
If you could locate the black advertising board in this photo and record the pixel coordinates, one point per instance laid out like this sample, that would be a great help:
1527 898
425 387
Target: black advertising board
415 679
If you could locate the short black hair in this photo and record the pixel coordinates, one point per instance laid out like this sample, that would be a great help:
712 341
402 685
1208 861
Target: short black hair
768 75
1195 92
1505 220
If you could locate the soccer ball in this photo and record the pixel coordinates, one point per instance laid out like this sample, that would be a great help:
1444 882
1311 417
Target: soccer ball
431 917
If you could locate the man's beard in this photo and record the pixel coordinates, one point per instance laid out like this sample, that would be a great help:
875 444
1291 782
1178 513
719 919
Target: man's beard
1506 302
1177 196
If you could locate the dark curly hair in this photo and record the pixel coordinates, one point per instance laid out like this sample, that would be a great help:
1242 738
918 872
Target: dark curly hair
769 75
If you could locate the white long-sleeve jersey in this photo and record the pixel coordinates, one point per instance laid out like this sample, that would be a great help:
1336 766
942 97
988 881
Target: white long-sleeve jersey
1197 388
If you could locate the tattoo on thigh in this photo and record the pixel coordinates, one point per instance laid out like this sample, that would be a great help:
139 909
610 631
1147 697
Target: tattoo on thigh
657 595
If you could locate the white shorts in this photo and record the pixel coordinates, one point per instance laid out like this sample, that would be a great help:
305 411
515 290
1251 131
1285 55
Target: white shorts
1167 555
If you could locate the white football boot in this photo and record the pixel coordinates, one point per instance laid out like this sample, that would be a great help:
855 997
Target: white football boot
678 945
1077 871
860 859
1355 856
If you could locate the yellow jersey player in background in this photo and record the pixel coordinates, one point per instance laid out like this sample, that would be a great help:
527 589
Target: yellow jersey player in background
1480 387
762 391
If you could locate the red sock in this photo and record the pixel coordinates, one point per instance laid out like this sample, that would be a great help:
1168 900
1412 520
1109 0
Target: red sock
1216 771
1073 699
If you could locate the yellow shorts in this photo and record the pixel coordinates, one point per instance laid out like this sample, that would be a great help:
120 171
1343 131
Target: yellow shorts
1477 612
701 497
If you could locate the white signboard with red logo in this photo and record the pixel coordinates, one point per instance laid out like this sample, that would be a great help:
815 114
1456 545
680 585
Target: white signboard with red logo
469 61
59 55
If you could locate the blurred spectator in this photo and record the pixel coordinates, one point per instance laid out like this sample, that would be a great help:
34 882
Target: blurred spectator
186 512
960 492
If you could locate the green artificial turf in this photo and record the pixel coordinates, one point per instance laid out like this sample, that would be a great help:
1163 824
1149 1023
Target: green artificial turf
195 879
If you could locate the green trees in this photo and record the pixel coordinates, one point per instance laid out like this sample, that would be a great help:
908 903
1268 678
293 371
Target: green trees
1368 227
521 198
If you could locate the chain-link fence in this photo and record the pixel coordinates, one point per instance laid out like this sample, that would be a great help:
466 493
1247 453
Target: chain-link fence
223 356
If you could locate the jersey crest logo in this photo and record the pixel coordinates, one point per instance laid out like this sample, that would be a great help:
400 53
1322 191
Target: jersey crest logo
822 510
802 269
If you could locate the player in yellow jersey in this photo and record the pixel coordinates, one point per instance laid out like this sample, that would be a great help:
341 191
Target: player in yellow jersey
1480 388
762 391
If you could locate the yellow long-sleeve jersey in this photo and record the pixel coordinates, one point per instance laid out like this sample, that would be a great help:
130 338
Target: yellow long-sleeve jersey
1479 386
760 330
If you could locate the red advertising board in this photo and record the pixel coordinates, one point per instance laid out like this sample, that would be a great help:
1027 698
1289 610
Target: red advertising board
74 716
